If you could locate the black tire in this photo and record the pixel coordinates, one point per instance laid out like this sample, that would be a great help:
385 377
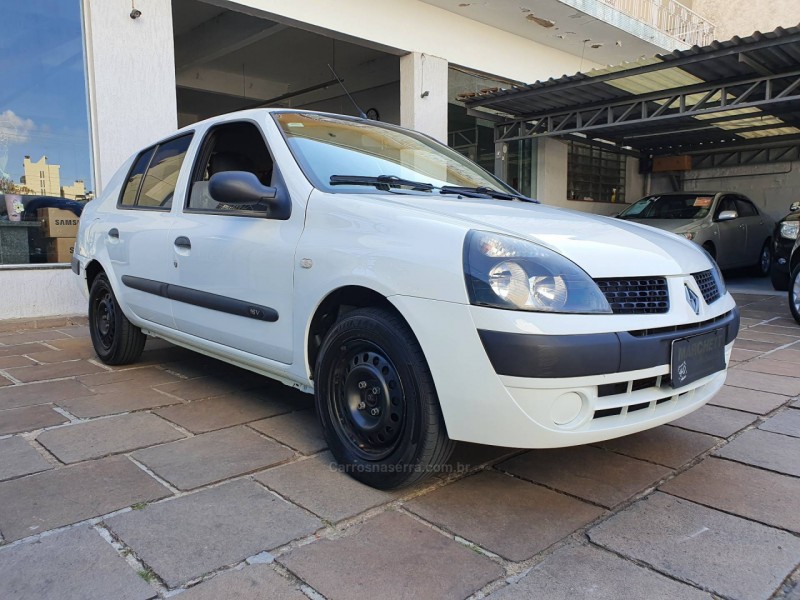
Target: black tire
376 401
794 293
709 247
762 267
780 281
115 339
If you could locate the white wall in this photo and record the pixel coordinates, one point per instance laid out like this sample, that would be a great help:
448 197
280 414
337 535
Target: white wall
743 17
412 26
423 94
40 292
131 79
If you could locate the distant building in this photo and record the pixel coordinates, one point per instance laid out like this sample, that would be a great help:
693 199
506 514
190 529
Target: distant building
40 177
45 179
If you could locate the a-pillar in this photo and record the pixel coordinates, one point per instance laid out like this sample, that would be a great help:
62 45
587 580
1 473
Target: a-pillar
423 94
130 67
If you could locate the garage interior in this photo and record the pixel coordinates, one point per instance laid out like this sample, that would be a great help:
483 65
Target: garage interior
227 60
725 116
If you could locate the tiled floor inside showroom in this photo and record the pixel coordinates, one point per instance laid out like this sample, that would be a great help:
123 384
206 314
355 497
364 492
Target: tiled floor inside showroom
184 476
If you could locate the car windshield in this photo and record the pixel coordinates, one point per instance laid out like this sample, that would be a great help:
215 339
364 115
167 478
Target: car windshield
670 206
350 155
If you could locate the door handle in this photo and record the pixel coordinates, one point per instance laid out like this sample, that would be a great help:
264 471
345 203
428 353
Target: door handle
183 242
113 232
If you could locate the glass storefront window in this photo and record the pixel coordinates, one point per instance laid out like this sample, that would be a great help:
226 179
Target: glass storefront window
595 174
45 156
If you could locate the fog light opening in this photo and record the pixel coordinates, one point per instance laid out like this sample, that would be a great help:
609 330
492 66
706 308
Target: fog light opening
568 408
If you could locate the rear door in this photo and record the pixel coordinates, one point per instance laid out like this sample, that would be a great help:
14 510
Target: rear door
138 239
233 281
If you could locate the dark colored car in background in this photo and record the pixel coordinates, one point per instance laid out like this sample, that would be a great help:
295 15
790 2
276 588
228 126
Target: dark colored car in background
794 281
783 239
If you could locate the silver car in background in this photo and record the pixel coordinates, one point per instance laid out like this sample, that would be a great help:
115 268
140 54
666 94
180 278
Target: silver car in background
728 225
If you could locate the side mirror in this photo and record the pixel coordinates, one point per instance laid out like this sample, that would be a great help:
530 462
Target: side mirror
728 215
243 188
794 206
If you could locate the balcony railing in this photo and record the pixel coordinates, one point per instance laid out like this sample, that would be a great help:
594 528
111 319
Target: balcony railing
669 16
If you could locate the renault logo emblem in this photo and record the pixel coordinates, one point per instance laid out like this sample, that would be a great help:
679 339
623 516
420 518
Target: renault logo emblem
693 300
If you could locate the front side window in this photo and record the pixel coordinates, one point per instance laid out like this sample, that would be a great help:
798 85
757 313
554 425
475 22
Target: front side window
235 146
745 208
328 147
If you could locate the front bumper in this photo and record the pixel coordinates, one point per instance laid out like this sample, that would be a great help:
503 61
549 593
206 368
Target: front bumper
781 251
528 387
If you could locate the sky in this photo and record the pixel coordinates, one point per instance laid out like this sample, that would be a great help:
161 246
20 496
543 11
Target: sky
43 89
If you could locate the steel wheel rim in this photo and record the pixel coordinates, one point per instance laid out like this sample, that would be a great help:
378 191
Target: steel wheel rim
796 293
766 259
103 321
368 404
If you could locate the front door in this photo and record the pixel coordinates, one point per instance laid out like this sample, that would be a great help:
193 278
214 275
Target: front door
732 235
233 275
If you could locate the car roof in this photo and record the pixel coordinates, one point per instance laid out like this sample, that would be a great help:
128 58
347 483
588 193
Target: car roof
255 114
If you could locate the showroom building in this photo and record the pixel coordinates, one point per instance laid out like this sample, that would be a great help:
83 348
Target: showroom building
94 80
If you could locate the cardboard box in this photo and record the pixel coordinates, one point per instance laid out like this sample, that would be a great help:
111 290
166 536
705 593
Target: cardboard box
59 250
58 223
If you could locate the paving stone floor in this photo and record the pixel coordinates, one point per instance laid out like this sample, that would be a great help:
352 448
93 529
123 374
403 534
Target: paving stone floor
184 476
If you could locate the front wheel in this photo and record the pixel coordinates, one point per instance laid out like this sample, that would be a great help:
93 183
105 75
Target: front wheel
780 281
115 339
794 293
376 401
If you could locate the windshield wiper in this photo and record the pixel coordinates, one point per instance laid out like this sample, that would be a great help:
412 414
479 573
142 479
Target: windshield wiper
382 182
482 192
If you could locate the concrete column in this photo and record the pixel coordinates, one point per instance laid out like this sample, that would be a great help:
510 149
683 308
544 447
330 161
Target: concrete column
423 94
130 68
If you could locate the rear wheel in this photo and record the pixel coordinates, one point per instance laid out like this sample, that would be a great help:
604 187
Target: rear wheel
115 339
376 401
794 293
761 268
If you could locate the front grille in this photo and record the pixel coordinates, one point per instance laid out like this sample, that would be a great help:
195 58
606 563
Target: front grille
673 328
708 286
636 296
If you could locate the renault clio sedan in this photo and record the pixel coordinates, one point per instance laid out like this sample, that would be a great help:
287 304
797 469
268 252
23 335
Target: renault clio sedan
727 225
419 298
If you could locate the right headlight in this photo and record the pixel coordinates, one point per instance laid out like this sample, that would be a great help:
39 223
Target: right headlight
507 272
789 229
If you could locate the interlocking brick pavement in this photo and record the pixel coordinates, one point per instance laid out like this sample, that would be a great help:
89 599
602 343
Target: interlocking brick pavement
182 474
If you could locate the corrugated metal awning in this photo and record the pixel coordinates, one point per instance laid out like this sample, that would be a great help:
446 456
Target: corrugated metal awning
735 93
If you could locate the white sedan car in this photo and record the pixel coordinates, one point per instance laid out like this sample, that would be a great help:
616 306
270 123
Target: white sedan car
418 297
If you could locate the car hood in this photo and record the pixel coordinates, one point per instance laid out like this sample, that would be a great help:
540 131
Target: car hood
601 246
673 225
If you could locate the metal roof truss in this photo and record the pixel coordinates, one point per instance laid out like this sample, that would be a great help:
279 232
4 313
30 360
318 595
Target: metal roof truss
618 119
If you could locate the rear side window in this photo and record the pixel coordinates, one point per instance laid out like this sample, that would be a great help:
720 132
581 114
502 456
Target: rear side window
155 189
128 198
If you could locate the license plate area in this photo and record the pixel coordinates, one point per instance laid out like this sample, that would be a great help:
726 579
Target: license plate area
697 356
